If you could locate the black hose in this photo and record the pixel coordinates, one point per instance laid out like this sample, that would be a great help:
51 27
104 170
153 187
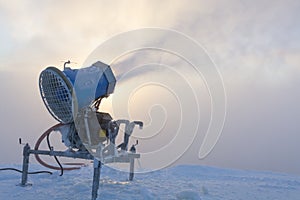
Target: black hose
56 159
17 170
36 147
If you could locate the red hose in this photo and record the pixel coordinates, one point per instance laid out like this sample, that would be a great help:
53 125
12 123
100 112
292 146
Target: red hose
37 145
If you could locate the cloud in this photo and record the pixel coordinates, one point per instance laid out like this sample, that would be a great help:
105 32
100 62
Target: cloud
72 29
255 44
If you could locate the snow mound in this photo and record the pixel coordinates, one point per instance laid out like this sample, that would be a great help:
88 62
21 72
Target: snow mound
181 183
147 194
188 195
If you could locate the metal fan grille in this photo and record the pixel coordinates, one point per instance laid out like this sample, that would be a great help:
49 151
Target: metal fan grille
56 92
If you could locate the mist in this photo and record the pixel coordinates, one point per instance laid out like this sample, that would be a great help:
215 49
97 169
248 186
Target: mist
255 46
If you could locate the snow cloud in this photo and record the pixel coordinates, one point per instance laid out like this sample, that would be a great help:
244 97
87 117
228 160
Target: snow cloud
255 45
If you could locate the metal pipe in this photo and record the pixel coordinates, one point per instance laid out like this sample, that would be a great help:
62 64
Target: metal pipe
83 155
96 178
86 123
26 153
131 169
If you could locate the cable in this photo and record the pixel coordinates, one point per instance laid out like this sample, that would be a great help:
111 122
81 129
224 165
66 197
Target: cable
61 167
37 145
17 170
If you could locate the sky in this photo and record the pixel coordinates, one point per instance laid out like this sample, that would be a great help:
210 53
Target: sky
254 45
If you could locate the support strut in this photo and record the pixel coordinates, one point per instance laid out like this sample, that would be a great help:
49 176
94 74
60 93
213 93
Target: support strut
128 158
96 178
26 153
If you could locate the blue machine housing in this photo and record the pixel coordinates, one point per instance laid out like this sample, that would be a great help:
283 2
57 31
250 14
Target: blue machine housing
105 85
61 89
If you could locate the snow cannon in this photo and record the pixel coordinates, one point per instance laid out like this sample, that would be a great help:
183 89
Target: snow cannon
72 89
73 97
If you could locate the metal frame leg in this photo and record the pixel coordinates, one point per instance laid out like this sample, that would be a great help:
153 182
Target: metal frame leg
96 178
26 153
131 169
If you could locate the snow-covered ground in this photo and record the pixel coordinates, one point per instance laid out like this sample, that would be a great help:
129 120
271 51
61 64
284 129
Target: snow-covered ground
181 182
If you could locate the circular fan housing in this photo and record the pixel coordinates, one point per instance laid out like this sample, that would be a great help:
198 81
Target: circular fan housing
58 88
56 92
